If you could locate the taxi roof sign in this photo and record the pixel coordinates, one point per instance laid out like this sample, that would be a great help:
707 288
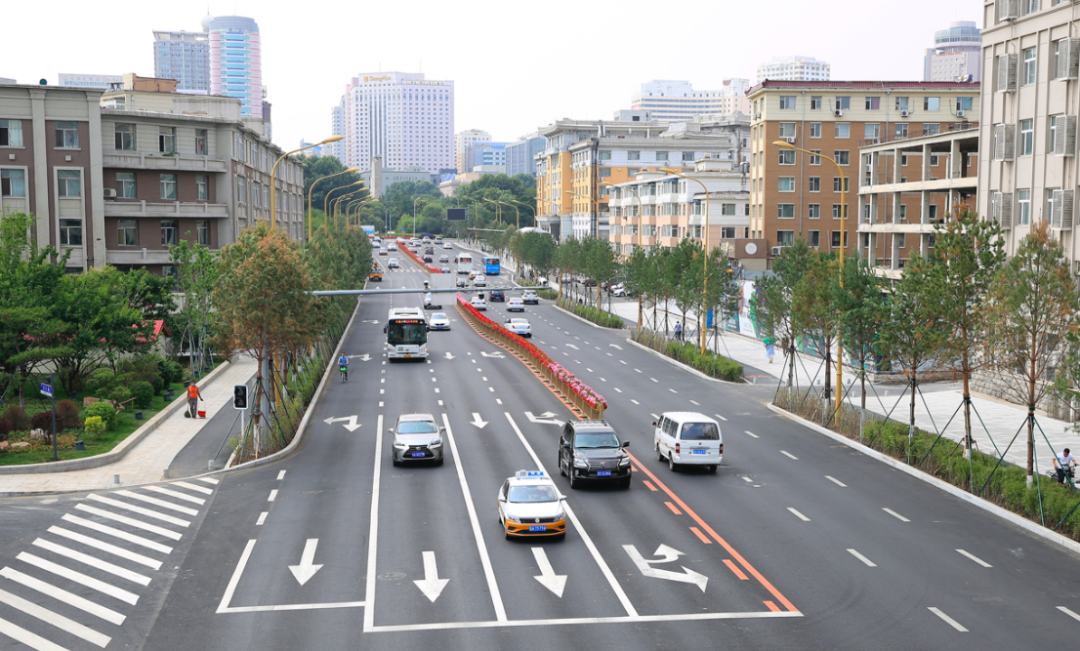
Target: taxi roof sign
530 474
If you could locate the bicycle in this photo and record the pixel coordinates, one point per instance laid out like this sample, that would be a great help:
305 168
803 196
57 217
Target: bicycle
344 373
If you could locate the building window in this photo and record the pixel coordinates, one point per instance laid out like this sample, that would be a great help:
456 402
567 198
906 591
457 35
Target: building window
815 184
1029 6
787 156
813 238
836 184
902 103
903 160
168 186
873 103
836 211
1027 137
127 232
934 160
167 140
785 238
931 103
11 133
605 172
815 157
67 135
202 187
842 129
125 185
241 193
963 103
661 155
727 232
872 131
687 156
815 102
903 212
169 232
633 155
605 155
71 232
842 157
843 103
787 102
201 142
1023 207
931 213
901 131
931 129
786 184
12 183
787 129
125 137
813 211
202 229
727 209
69 183
815 129
785 210
632 171
836 235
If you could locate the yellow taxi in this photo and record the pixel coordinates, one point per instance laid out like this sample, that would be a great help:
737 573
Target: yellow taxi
531 506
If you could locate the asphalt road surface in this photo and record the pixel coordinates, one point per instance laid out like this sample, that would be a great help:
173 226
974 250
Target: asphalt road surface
797 542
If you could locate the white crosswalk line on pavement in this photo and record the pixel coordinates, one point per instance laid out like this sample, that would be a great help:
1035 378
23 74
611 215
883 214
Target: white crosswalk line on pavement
57 620
140 510
193 487
208 480
177 494
106 547
162 503
87 559
138 524
60 594
24 636
79 577
117 533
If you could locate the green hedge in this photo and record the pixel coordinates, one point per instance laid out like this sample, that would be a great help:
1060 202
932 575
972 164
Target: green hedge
589 313
710 363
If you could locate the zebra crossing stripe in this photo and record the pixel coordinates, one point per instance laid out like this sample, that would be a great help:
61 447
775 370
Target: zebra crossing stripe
106 547
177 494
193 487
138 524
156 502
208 480
49 617
92 561
138 509
26 637
74 600
117 533
79 577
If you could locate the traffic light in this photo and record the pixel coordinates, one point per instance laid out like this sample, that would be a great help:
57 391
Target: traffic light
240 396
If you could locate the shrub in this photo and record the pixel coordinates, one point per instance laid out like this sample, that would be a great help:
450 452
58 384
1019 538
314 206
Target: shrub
120 395
16 415
94 426
99 381
43 420
171 372
67 415
144 368
5 428
105 411
144 394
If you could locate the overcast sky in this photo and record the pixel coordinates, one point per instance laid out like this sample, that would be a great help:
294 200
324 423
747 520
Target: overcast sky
516 65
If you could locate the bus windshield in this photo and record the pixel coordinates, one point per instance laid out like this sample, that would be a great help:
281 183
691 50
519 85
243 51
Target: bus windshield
410 332
491 266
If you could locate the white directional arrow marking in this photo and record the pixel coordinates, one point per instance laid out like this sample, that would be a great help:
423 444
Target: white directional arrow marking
432 586
449 356
572 346
616 346
372 321
554 582
350 422
496 355
363 358
668 554
476 420
306 569
544 418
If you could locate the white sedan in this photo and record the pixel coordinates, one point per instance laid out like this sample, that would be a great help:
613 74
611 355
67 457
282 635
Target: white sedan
519 326
447 246
478 303
479 281
515 305
392 263
439 321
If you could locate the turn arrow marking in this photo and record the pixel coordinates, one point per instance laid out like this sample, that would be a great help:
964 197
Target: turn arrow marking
476 420
544 418
449 356
615 346
496 355
667 555
432 586
554 582
363 358
350 422
306 569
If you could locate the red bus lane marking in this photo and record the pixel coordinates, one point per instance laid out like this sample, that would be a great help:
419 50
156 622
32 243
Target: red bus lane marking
715 536
701 536
734 568
673 508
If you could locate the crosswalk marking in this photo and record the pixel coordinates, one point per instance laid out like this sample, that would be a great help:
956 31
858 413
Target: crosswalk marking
140 510
86 559
70 599
117 533
193 487
138 524
106 547
79 577
26 637
155 501
208 480
49 617
177 494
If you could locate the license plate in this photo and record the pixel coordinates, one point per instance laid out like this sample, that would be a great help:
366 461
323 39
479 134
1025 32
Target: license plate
417 454
700 451
537 527
408 356
603 473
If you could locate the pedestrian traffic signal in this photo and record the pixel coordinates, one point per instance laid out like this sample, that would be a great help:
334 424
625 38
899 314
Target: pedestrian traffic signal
240 396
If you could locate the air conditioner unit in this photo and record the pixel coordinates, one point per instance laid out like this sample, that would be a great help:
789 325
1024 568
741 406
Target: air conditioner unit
905 114
838 113
110 193
776 250
959 114
869 168
790 140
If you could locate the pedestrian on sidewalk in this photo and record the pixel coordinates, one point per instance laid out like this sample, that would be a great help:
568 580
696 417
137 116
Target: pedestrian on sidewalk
1063 464
678 331
194 397
770 348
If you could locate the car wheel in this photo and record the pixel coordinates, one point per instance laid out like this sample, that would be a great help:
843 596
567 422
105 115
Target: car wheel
396 462
672 466
570 473
562 470
439 462
659 454
626 484
506 532
712 469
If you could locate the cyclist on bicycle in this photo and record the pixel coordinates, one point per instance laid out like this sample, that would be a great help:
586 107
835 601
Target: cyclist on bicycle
343 362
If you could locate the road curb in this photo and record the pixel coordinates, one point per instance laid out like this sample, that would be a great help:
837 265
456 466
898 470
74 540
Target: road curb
1022 522
121 450
675 362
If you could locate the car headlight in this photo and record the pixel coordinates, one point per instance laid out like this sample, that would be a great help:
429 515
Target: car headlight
437 444
512 518
401 446
580 461
624 462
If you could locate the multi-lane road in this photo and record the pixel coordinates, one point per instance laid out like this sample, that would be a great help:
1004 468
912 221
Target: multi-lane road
796 542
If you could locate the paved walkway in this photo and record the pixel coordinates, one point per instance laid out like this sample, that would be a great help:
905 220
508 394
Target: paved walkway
147 461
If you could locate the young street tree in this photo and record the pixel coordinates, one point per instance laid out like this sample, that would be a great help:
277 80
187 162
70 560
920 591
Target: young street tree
1033 312
813 309
778 292
861 308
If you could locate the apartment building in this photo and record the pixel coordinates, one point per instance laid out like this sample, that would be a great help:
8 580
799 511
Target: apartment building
794 195
677 100
463 140
521 155
1028 120
957 52
794 68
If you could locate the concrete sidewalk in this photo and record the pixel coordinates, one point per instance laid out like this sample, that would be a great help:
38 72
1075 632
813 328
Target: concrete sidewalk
148 459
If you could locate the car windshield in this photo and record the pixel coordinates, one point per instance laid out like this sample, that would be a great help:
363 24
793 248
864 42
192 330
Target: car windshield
700 432
438 315
596 440
533 494
401 334
416 427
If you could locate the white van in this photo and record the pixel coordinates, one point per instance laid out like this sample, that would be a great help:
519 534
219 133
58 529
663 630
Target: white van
690 438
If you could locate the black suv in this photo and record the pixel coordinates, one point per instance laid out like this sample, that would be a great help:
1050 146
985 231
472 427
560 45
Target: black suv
590 450
497 295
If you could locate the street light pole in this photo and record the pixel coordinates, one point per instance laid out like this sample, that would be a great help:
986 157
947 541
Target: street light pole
312 189
640 307
326 199
414 215
705 277
273 174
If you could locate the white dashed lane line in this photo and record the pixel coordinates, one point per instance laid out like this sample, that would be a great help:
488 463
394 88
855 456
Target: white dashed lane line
789 455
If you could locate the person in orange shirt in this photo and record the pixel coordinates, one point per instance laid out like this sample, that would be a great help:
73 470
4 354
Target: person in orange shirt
193 400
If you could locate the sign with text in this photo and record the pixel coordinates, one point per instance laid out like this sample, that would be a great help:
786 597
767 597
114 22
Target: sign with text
455 214
46 389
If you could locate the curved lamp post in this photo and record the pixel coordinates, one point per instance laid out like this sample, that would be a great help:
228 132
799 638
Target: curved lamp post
312 189
273 174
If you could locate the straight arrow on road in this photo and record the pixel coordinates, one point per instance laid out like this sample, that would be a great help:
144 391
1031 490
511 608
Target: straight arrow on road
432 586
496 355
554 582
306 569
476 420
545 417
666 554
350 422
363 358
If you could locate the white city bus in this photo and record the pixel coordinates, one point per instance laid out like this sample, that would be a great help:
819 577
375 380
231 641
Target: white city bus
464 263
406 334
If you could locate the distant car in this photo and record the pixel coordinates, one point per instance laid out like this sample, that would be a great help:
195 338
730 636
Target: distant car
392 247
617 290
478 303
429 250
497 295
519 326
515 305
530 505
530 297
444 270
382 251
392 263
439 321
590 450
480 281
427 258
461 282
417 437
473 274
444 258
447 245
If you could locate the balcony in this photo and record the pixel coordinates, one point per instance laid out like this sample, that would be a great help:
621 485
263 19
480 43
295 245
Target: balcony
139 257
171 209
177 162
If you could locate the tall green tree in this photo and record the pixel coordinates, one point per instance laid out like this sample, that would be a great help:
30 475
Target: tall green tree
814 310
196 277
778 294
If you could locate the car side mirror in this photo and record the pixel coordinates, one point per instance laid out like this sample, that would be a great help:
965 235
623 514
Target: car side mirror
654 423
442 429
390 429
384 328
562 498
626 444
502 499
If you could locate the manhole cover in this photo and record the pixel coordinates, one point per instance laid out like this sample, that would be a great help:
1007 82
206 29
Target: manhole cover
310 492
392 576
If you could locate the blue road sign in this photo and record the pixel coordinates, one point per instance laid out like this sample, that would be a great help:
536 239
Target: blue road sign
46 389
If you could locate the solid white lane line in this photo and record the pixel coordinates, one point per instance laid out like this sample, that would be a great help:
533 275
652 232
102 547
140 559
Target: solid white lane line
192 487
49 617
798 515
273 495
861 557
156 502
262 518
176 494
974 558
789 455
752 434
616 588
633 401
721 417
131 522
79 577
281 475
373 531
1069 613
106 547
117 533
836 481
485 561
92 561
138 509
32 640
948 620
60 594
896 515
209 480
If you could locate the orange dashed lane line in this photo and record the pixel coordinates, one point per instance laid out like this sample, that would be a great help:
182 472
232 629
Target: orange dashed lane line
701 536
650 486
772 606
736 570
715 536
673 508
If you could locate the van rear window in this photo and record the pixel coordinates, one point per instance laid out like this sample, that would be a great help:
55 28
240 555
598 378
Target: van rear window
700 432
